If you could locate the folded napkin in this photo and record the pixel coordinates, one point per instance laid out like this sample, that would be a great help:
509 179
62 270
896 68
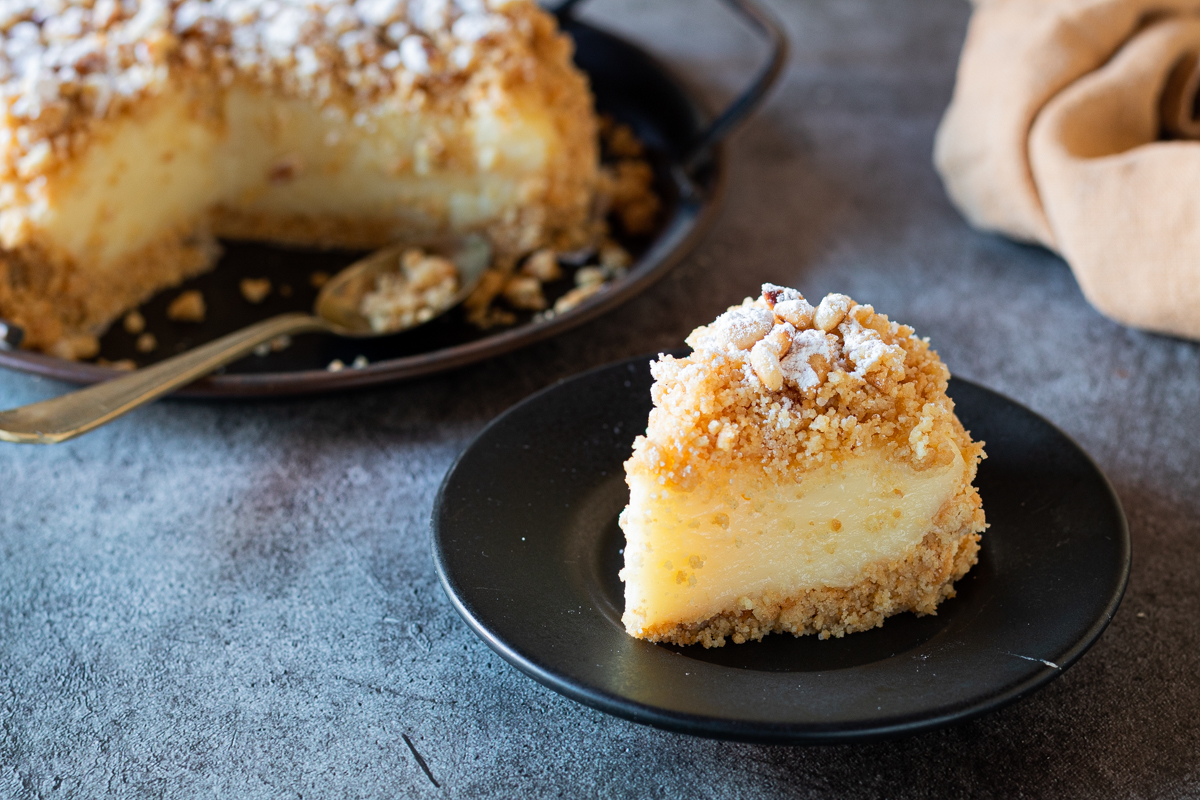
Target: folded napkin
1070 126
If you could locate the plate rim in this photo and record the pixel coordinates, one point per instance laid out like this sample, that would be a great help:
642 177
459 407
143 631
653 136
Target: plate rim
773 732
679 235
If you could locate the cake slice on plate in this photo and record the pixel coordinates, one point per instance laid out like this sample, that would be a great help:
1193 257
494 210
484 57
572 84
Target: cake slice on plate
802 471
132 132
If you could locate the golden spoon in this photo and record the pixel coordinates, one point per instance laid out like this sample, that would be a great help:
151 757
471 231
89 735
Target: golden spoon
336 310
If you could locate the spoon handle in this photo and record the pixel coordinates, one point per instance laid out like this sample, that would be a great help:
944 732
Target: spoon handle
70 415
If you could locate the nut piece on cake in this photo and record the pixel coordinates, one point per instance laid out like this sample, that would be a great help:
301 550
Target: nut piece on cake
802 471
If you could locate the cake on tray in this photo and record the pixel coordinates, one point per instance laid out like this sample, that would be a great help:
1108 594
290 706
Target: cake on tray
135 132
802 471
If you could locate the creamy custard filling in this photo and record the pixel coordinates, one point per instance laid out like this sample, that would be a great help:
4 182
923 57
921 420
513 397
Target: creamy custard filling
691 555
266 158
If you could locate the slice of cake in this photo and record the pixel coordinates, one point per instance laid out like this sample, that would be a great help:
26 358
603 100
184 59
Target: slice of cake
802 471
135 131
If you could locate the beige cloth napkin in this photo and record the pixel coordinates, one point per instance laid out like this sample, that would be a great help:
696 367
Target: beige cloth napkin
1056 135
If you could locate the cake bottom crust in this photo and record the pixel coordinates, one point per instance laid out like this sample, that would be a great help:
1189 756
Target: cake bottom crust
918 583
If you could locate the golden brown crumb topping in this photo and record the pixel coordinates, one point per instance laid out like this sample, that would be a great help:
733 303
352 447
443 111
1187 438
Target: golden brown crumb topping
791 387
65 64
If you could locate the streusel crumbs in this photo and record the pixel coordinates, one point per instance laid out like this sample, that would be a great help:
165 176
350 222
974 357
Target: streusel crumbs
791 387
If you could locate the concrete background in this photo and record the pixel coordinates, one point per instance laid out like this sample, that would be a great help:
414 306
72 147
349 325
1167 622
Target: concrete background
237 600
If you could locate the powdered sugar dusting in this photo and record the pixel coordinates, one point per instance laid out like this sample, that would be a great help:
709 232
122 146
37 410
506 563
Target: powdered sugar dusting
65 59
866 350
798 366
739 328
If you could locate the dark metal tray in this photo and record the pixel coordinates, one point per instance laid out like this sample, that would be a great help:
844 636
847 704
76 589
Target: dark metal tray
629 84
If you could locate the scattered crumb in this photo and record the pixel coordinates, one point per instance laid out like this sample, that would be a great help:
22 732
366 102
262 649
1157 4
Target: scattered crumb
542 265
629 187
255 290
188 307
619 139
477 303
576 296
262 350
1141 615
337 365
318 279
146 343
525 292
280 343
360 362
134 322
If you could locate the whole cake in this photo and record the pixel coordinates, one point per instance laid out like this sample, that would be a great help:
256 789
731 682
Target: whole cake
136 131
802 471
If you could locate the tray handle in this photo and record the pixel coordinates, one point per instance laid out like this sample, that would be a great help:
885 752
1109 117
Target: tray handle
742 106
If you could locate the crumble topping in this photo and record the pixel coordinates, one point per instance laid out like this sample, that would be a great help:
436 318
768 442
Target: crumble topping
66 63
777 382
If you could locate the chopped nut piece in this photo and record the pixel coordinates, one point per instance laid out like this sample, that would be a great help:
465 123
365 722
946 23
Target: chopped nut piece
542 265
255 290
739 327
797 313
525 292
832 311
146 343
134 322
810 359
188 307
765 363
774 294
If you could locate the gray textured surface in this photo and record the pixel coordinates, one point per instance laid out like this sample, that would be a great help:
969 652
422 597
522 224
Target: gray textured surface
237 600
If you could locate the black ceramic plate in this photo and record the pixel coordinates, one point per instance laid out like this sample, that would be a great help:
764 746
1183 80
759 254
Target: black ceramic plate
527 545
628 84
